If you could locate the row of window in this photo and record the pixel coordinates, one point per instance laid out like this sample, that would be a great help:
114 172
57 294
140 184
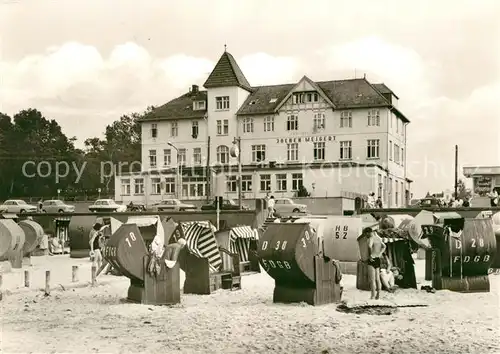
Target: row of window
259 153
387 184
265 183
319 148
292 124
195 186
396 153
167 157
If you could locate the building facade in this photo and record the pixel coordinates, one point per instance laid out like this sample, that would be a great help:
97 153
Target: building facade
329 137
484 179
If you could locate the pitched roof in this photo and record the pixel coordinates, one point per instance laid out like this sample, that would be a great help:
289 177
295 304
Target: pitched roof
345 94
382 88
179 108
264 99
227 73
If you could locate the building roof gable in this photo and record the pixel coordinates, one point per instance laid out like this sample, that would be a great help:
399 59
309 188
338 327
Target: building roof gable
227 73
344 94
313 85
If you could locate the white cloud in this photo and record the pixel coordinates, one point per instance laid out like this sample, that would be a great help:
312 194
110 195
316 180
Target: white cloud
264 69
437 122
75 83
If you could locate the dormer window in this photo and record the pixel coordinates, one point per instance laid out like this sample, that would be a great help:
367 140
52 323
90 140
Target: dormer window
305 97
273 100
199 105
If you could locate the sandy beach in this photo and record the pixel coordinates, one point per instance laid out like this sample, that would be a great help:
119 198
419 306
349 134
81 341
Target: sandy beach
78 318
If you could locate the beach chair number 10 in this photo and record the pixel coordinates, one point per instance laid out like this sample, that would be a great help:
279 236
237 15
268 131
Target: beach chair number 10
131 237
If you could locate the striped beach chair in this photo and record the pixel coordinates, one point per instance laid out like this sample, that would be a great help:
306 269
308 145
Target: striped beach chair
202 261
201 242
241 236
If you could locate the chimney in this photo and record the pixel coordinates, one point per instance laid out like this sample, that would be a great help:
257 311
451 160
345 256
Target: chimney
194 89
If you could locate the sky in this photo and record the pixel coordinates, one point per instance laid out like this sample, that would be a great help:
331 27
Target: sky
85 63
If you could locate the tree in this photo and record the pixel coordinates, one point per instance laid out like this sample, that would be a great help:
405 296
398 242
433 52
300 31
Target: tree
121 147
35 139
462 191
6 128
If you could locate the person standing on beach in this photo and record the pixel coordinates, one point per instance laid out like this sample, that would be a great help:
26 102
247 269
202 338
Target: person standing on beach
376 248
270 207
493 198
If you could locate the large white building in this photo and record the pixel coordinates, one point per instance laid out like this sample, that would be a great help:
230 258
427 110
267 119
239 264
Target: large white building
329 136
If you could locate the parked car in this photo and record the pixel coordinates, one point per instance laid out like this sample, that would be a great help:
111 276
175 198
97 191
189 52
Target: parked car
227 204
17 206
57 206
173 205
286 205
102 205
430 203
136 207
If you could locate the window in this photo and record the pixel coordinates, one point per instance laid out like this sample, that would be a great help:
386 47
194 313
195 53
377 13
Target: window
199 105
174 129
258 153
246 183
373 118
167 157
139 186
396 193
397 124
232 183
346 119
379 185
281 182
221 103
292 122
311 97
319 151
196 186
265 183
402 157
319 121
292 152
222 154
182 157
170 185
152 158
390 150
222 127
247 125
346 150
389 191
402 194
396 153
155 186
194 129
296 181
126 186
154 130
297 98
269 124
197 156
373 149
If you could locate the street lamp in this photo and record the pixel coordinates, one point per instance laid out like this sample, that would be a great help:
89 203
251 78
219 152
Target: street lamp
236 152
179 170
